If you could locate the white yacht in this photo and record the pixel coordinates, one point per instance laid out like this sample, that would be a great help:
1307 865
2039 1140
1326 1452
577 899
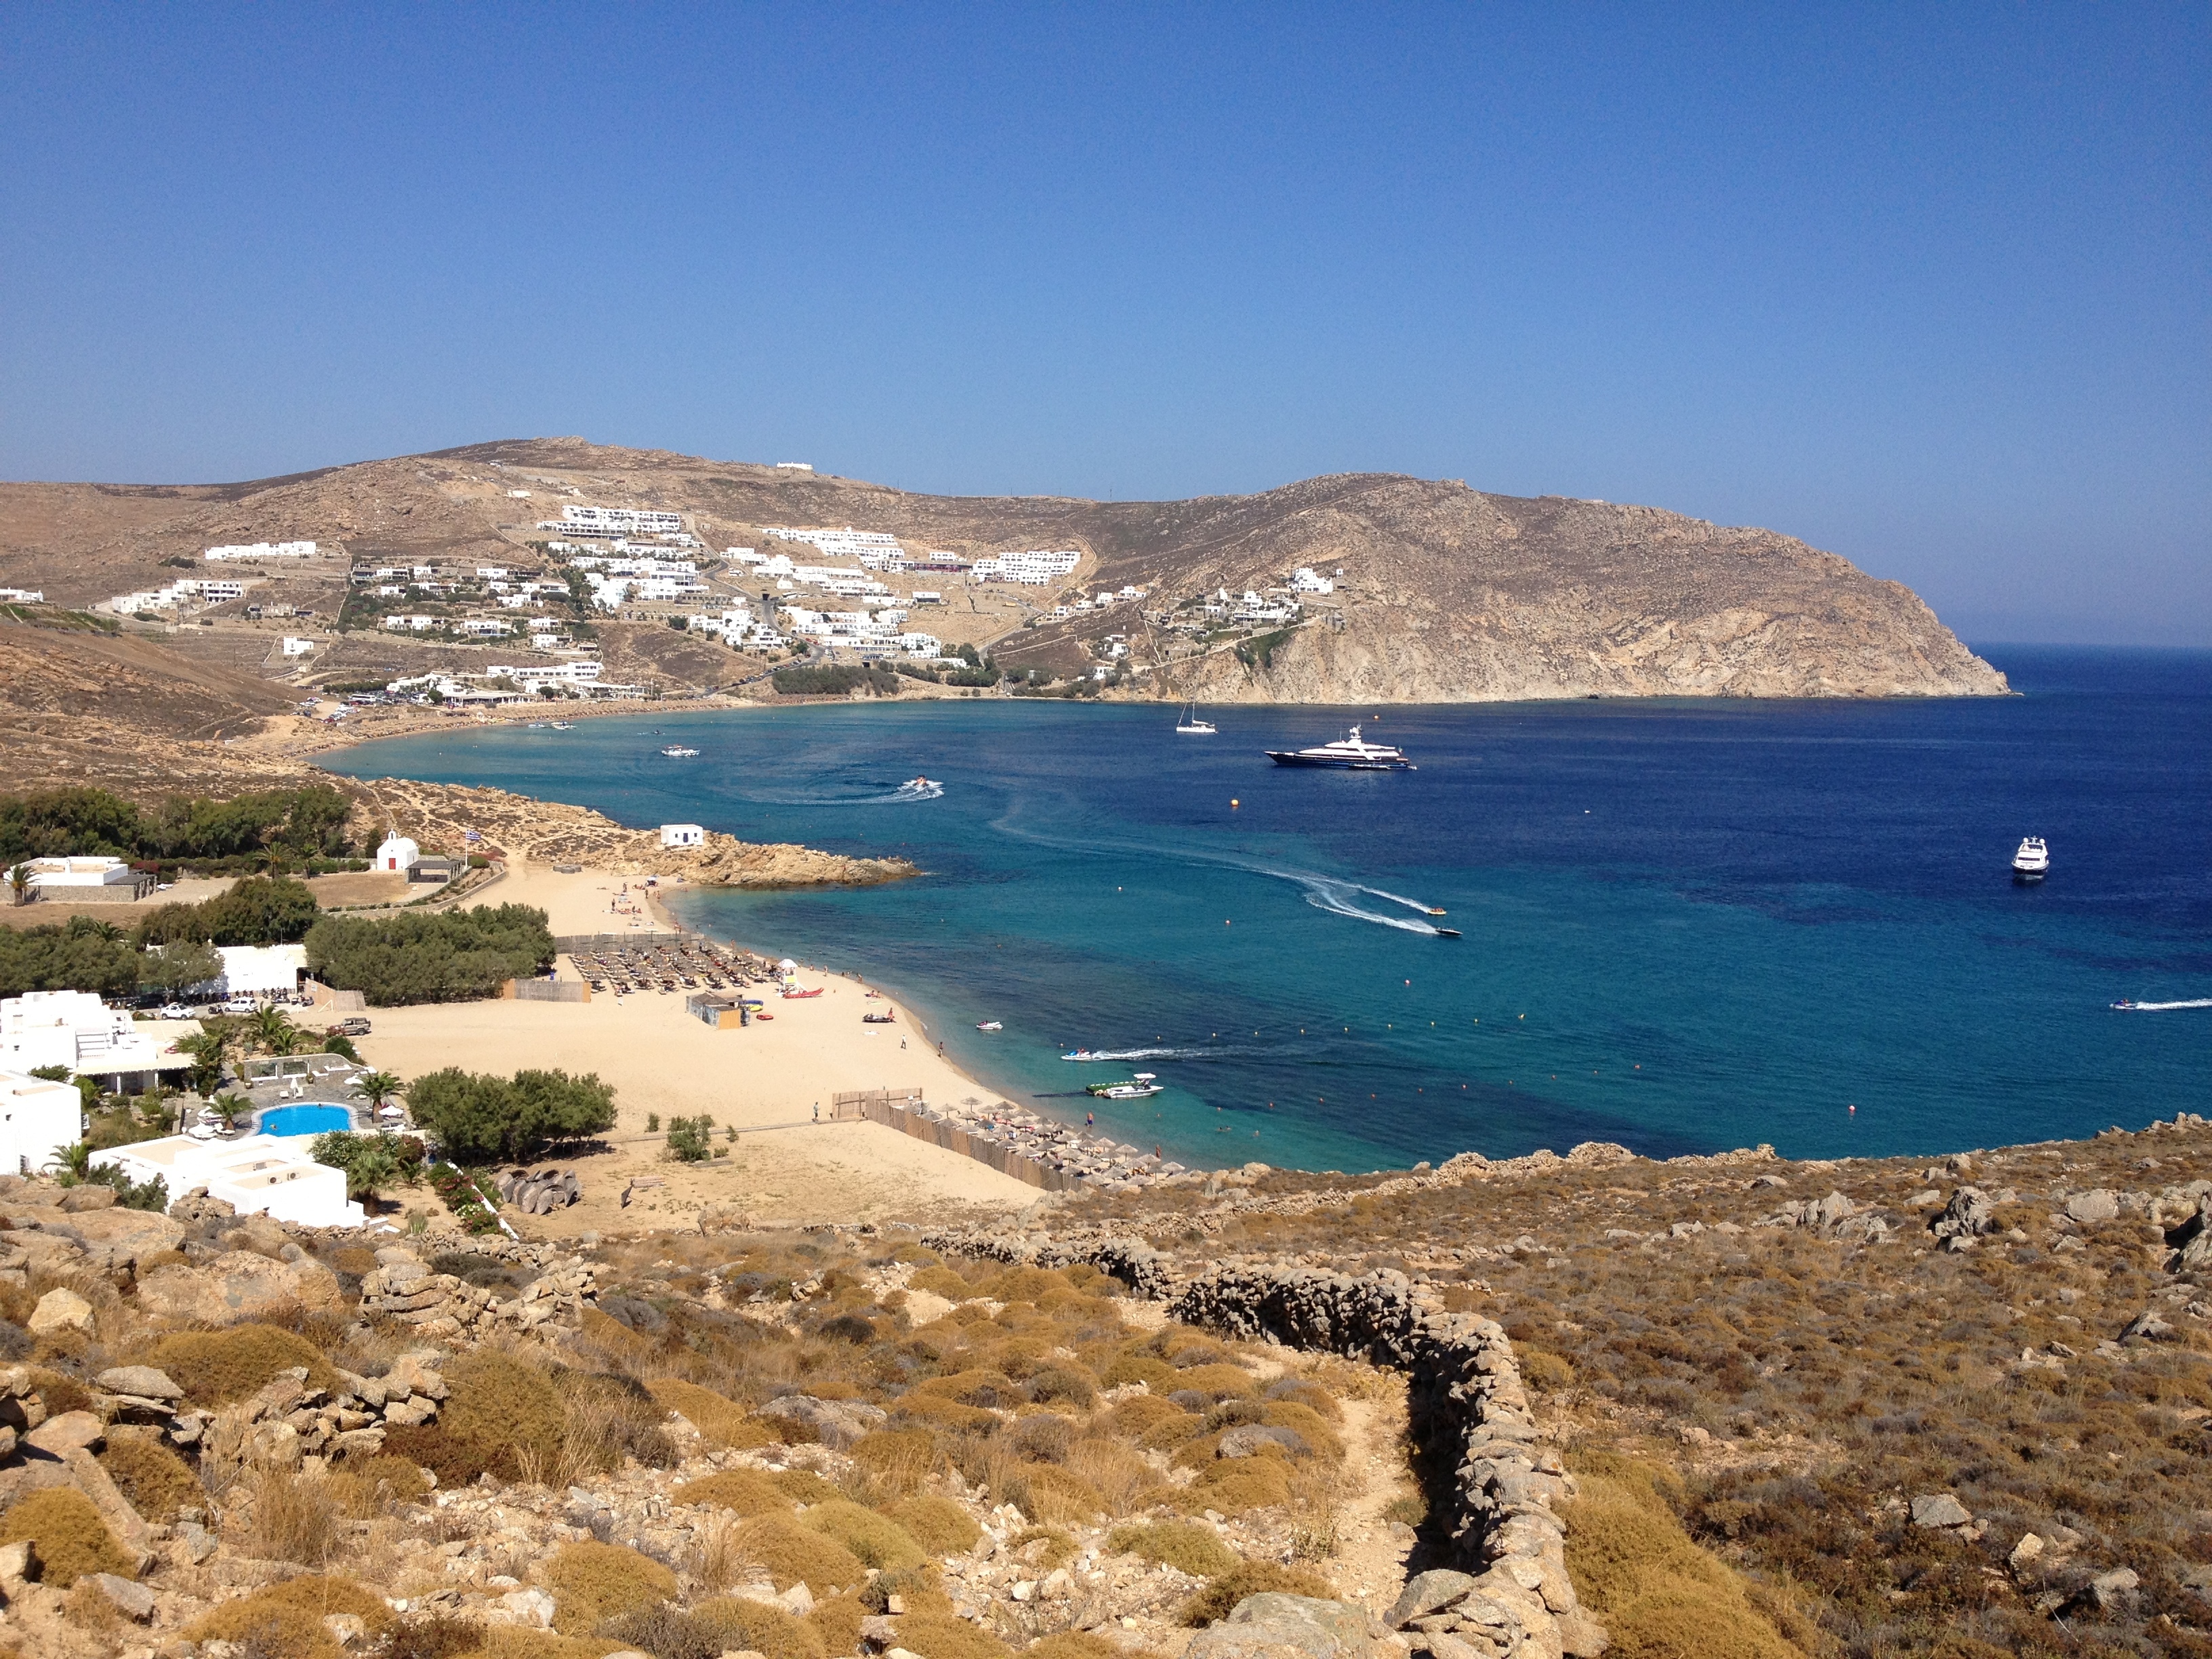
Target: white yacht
1188 725
2032 862
1353 753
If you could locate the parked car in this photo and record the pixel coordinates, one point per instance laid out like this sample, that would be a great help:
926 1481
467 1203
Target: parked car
353 1025
175 1011
239 1005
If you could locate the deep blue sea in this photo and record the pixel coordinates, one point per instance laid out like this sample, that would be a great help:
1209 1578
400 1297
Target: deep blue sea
1687 924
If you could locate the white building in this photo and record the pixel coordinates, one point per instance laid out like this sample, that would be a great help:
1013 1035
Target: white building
294 647
1034 568
872 548
1304 580
60 876
76 1029
36 1117
417 624
484 628
614 521
262 970
263 550
398 853
683 835
22 596
794 466
260 1175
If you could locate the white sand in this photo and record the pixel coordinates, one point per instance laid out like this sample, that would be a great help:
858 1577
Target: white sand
660 1059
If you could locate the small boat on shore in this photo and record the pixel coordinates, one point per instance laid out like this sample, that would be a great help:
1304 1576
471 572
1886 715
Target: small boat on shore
796 995
885 1017
990 1025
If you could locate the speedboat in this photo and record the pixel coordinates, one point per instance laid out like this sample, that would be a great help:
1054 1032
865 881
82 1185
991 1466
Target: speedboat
1140 1087
1447 933
1436 909
2124 1002
1079 1053
990 1025
917 783
1353 754
1188 725
2033 862
564 725
678 751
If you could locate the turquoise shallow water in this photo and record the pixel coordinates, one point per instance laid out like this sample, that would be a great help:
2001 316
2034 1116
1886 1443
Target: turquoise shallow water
1687 925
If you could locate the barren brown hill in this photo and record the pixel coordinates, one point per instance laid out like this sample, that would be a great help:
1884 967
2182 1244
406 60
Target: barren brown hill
1447 593
155 690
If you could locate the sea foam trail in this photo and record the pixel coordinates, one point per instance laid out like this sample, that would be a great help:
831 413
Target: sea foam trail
905 795
2161 1007
1169 1054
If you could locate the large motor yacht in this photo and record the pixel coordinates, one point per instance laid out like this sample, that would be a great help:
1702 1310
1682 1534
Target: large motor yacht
2032 862
1354 753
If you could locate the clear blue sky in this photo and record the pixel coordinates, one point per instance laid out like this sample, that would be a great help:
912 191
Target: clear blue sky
1927 286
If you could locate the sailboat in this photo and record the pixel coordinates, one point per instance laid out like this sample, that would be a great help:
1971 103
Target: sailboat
1188 725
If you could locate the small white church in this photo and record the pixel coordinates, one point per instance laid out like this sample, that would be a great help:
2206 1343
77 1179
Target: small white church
398 853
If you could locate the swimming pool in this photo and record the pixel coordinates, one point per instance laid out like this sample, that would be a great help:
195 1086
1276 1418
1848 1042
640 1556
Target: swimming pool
309 1118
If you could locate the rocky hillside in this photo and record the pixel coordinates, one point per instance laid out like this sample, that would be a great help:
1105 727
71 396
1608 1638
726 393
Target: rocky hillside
1447 593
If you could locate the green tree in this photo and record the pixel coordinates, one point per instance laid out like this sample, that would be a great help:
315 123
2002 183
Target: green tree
229 1108
687 1139
371 1162
170 969
19 880
207 1050
478 1118
260 910
270 1030
446 956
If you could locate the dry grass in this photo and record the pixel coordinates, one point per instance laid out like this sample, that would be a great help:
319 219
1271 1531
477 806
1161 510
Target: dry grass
156 1481
1183 1545
790 1554
741 1492
938 1524
291 1517
721 1421
877 1540
507 1413
1222 1593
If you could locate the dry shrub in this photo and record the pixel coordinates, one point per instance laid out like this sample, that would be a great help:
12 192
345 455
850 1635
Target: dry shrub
504 1413
156 1481
1237 1486
1216 1382
355 1259
436 1635
942 1281
455 1463
1023 1284
364 1488
741 1492
1641 1576
1154 1373
288 1618
1059 1494
836 1620
791 1555
614 1337
938 1524
1071 1384
1059 1549
720 1420
1078 1644
943 1634
216 1367
1220 1596
973 1388
1307 1423
1183 1545
291 1517
509 1644
917 1406
1546 1373
603 1419
1043 1437
70 1537
593 1582
900 1459
1134 1417
803 1486
742 1626
1124 1479
1303 1391
61 1391
877 1540
154 1261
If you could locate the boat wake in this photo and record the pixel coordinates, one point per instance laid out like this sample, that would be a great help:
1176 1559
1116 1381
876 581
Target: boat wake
905 794
2161 1007
1089 1054
1325 893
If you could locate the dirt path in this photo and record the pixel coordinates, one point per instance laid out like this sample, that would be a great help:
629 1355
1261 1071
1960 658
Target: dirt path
1371 1549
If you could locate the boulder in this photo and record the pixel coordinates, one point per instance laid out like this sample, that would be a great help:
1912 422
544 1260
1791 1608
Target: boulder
133 1602
1274 1625
234 1286
60 1309
91 1195
2148 1327
1940 1510
1968 1215
59 1436
838 1424
126 1235
2089 1208
1249 1439
141 1381
1426 1593
2114 1589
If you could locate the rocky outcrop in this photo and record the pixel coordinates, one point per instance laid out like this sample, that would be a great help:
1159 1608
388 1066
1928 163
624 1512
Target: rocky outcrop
1463 1391
442 1307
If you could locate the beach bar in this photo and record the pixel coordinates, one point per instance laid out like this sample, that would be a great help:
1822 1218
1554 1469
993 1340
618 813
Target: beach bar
723 1010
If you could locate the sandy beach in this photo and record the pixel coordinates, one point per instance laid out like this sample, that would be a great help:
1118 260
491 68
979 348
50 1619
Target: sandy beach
765 1081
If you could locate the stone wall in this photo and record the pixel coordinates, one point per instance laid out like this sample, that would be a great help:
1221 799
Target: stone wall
1464 1399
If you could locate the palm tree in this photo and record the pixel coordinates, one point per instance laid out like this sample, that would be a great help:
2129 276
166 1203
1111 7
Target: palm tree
206 1050
19 878
377 1088
71 1164
227 1107
271 1030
